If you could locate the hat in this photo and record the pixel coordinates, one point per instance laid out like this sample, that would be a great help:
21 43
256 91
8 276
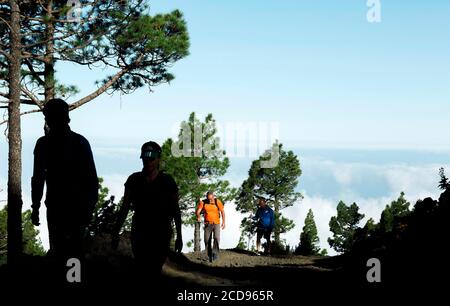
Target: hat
150 150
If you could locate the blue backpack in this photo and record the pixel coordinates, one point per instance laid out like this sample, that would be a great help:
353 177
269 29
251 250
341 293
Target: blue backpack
266 218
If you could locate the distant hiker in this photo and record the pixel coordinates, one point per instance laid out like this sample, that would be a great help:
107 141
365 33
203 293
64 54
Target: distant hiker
63 161
153 196
264 224
212 209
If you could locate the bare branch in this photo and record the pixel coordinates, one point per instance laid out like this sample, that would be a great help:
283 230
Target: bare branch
99 91
21 114
32 97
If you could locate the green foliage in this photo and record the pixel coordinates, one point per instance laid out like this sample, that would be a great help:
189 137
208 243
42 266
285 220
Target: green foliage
247 227
444 182
370 226
308 237
344 226
152 43
190 243
118 35
31 243
397 209
242 245
280 248
103 192
196 171
65 91
324 252
104 216
277 185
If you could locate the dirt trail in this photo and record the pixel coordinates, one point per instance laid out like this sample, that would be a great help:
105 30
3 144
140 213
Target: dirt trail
236 268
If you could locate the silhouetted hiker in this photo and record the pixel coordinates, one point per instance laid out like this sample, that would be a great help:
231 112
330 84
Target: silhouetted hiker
63 161
212 209
153 196
264 224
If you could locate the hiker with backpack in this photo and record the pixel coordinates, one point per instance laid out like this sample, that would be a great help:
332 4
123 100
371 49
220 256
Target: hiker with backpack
212 209
265 221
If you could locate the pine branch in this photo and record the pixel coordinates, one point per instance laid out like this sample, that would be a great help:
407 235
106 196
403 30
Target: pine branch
99 91
5 54
34 56
34 73
6 22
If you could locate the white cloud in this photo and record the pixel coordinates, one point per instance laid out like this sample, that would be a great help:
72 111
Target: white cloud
323 209
116 152
115 183
413 180
347 179
343 173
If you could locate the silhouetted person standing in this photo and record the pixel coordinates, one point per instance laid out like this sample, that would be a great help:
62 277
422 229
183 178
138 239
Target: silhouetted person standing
153 196
63 161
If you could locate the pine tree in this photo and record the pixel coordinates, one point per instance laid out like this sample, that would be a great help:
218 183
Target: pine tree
398 208
137 48
31 243
197 163
344 226
276 184
444 182
308 238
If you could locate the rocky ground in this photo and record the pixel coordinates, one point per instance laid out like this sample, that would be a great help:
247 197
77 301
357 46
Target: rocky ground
241 268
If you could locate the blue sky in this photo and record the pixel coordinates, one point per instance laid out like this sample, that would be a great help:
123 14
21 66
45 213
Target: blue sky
364 105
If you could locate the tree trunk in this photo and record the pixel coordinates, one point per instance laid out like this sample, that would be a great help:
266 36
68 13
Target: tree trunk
14 141
49 65
197 239
277 228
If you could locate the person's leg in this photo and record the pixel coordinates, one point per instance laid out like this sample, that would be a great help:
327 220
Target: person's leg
149 258
258 240
216 241
269 243
57 232
207 239
75 241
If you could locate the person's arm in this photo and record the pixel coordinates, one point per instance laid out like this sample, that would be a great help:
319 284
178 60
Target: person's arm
222 213
122 215
177 219
199 210
272 219
90 180
37 182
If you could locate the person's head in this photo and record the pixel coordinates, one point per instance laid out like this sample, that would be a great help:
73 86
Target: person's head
210 195
262 202
150 155
56 113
